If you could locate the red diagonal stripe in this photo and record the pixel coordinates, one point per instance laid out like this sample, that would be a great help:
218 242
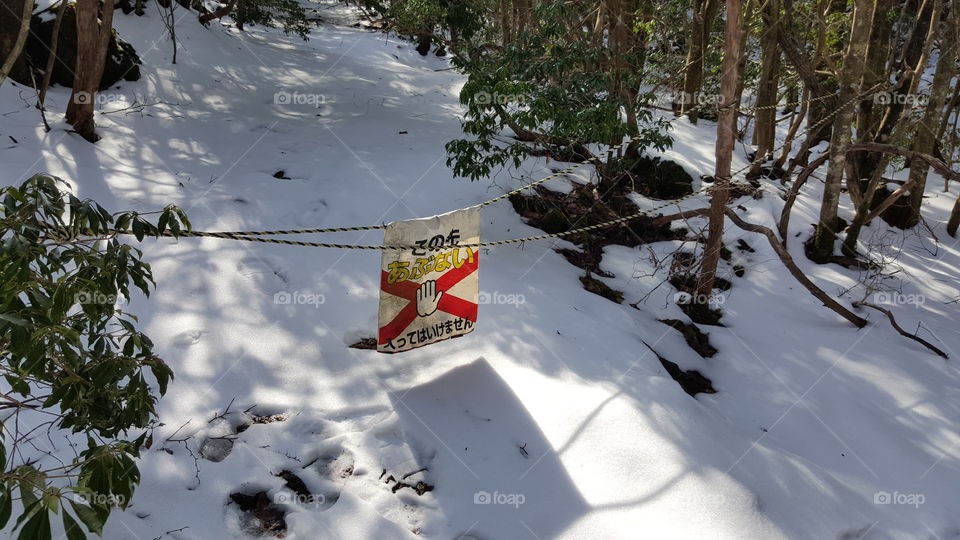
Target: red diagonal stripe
448 303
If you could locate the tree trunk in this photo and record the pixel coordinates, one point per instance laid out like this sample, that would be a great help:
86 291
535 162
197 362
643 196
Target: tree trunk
850 75
704 13
93 39
919 41
925 138
954 219
875 71
52 59
726 134
14 27
766 114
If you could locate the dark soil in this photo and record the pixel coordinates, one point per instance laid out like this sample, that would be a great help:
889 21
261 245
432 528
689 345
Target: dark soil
270 518
596 286
695 338
693 382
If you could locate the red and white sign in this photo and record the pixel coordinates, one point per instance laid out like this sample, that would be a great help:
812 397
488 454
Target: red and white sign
429 293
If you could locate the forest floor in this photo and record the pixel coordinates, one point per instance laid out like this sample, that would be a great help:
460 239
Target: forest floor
552 419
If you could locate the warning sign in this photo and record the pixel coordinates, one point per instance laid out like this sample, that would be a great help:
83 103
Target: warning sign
429 293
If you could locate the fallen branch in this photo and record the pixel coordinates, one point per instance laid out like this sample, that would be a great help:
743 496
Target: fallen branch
795 271
219 13
669 218
901 331
784 224
888 202
935 164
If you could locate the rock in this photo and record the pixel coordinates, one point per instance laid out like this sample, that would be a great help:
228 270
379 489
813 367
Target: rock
122 60
664 178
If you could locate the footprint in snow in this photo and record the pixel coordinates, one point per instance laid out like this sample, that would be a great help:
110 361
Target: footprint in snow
265 271
313 214
334 467
188 338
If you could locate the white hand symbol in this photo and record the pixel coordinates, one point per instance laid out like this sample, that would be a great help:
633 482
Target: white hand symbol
428 298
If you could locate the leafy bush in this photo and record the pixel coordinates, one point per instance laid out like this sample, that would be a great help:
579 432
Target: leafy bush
553 88
77 371
288 15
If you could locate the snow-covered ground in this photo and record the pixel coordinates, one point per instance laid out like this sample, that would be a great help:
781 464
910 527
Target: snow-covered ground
552 419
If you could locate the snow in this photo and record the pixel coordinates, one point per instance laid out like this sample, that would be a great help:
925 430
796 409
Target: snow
553 409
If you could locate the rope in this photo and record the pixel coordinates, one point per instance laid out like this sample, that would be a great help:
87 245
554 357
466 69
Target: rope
254 236
635 215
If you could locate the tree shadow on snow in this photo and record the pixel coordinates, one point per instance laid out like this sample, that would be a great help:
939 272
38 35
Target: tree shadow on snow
490 462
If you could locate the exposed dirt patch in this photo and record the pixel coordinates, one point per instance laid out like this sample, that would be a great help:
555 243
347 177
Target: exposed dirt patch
420 487
596 286
702 313
555 212
336 465
687 282
693 382
262 516
696 339
587 259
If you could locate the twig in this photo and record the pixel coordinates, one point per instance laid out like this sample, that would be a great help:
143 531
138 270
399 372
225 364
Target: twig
901 331
795 271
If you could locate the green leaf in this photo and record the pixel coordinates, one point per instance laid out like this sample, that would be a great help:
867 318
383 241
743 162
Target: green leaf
6 506
88 517
38 528
13 320
72 528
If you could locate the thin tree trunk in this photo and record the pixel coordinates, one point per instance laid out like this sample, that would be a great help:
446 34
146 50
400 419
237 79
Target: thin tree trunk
704 13
14 49
925 138
726 134
874 72
52 59
93 40
850 74
792 133
915 52
766 115
954 219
